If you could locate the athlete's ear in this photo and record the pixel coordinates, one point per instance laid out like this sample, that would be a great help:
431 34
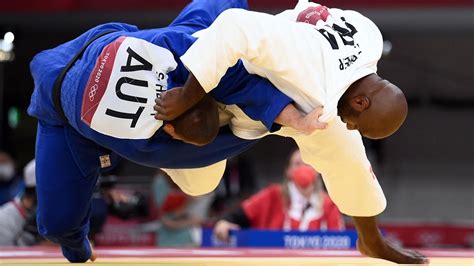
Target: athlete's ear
360 103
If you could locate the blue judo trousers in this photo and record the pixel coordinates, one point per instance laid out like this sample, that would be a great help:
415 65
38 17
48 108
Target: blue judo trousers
67 153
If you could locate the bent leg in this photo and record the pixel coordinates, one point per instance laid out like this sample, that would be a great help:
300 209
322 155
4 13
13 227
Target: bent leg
198 181
200 14
64 188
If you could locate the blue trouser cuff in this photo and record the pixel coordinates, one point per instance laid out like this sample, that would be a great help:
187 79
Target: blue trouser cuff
81 254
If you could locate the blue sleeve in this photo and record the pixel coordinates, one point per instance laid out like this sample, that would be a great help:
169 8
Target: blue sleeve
199 14
256 96
177 43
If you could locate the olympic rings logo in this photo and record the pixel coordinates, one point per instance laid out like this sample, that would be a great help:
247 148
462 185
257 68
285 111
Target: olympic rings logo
93 92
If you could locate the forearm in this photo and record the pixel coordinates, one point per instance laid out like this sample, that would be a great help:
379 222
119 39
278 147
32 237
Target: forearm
256 96
193 92
372 244
367 230
289 116
238 217
175 102
304 123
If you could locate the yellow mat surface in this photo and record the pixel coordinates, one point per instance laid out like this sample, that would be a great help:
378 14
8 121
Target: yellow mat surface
332 261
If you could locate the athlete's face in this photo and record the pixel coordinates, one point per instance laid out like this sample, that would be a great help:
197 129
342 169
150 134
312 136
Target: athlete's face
349 116
374 118
355 120
374 106
363 122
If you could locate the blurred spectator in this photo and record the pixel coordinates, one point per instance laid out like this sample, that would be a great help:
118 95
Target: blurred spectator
300 203
17 217
181 216
108 200
239 177
100 205
238 182
10 184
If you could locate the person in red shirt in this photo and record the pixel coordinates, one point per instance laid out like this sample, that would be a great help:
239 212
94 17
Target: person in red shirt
299 203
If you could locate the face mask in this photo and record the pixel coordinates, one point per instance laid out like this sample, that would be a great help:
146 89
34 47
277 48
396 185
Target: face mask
6 172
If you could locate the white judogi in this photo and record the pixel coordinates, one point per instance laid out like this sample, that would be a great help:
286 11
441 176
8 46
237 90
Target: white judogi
314 65
297 58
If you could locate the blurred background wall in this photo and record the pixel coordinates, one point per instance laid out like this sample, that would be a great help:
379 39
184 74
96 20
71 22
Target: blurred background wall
426 169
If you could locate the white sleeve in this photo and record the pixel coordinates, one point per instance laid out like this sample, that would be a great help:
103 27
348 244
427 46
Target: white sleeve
339 155
261 39
197 181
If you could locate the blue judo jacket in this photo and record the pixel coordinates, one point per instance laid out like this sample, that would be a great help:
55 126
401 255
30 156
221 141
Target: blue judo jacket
256 96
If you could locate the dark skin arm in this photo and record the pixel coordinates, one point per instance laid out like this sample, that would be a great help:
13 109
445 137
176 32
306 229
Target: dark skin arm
174 102
371 243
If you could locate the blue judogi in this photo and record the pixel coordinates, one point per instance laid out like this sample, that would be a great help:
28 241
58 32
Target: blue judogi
67 164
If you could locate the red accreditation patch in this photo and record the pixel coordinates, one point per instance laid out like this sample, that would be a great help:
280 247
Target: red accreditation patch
312 15
98 80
